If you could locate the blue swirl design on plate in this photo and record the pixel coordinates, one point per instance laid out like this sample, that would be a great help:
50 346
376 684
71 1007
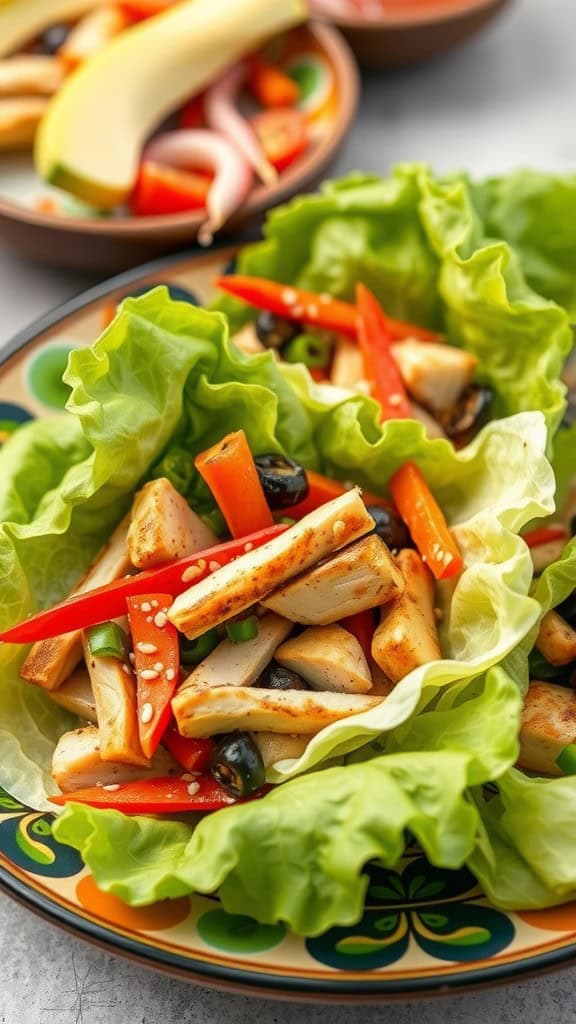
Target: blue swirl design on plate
26 839
437 908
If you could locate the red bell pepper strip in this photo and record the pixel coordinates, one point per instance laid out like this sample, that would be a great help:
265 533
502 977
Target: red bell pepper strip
362 626
382 373
322 489
161 190
156 650
425 520
192 753
270 85
228 469
109 602
544 535
164 795
321 311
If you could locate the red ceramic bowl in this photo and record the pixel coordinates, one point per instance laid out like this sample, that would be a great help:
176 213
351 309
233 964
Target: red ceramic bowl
111 244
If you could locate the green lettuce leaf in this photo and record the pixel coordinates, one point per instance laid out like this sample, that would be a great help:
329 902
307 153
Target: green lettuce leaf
423 247
329 824
525 854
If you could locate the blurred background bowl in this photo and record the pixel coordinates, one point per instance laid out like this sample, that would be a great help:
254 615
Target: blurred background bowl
315 53
410 31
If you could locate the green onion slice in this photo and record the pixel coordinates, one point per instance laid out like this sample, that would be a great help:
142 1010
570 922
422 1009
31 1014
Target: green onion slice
108 640
242 630
566 759
192 652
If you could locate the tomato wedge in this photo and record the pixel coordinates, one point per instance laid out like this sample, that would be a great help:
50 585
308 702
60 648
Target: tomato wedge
283 135
160 190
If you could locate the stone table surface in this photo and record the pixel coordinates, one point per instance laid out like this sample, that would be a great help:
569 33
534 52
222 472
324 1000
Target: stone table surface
504 100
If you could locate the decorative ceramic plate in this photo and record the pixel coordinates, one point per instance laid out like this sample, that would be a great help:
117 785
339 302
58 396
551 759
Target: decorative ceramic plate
424 930
53 227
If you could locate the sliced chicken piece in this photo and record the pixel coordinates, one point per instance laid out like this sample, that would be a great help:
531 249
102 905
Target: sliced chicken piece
556 640
30 74
77 763
434 374
76 695
50 662
248 579
247 339
362 576
164 527
548 725
232 664
19 119
275 746
328 658
347 368
407 636
432 427
114 690
225 708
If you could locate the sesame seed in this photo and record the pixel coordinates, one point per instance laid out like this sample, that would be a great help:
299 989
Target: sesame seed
160 619
126 670
154 603
438 614
145 606
146 648
147 714
193 788
188 777
248 546
170 674
395 399
159 666
213 566
148 674
112 787
148 618
132 658
191 573
338 528
289 296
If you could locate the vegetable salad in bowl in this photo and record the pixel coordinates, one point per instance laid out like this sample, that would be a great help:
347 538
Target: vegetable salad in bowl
259 614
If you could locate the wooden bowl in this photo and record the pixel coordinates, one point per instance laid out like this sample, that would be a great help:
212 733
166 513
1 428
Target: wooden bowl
115 243
410 31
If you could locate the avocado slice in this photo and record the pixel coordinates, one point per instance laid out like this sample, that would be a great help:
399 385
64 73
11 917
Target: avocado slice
91 138
20 22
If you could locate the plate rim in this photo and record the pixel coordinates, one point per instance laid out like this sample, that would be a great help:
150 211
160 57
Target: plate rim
376 988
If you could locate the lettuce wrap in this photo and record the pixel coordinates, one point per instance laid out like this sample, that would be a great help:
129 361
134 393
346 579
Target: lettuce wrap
164 373
164 378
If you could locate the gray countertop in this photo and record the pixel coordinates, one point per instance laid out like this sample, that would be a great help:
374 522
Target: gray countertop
504 100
